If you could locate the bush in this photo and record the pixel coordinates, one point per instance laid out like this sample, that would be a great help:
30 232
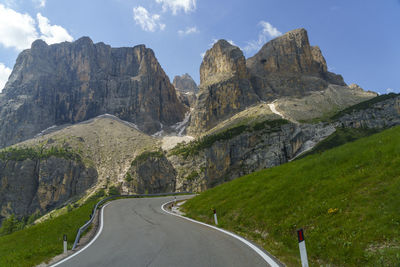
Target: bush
146 155
113 191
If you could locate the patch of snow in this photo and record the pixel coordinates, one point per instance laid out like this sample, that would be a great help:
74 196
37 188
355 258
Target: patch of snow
273 109
159 133
181 126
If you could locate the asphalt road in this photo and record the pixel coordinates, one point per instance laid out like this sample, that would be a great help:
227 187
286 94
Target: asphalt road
136 232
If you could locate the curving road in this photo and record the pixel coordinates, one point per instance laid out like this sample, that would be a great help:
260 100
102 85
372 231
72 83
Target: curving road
136 232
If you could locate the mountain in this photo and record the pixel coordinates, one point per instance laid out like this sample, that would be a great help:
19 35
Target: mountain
186 89
73 82
225 87
67 163
287 72
90 117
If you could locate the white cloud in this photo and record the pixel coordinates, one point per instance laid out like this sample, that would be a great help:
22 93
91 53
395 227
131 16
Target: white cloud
40 3
19 30
16 30
389 90
52 34
147 21
268 32
202 54
231 42
176 5
4 74
188 30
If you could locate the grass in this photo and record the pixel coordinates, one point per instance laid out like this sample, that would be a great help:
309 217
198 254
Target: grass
346 199
43 241
194 147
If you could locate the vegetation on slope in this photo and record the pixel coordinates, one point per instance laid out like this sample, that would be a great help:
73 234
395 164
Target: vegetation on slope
41 242
364 105
346 199
34 153
195 146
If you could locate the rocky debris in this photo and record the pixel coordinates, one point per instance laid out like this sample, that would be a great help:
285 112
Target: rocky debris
32 185
290 66
383 114
321 104
225 88
73 82
151 172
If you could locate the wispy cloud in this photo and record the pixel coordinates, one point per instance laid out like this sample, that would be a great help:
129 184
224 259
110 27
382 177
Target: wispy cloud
4 74
148 22
188 30
177 5
19 30
267 32
40 3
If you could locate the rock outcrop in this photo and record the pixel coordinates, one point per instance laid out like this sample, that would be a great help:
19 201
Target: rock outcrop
151 172
186 89
225 87
382 114
39 185
290 66
73 82
239 152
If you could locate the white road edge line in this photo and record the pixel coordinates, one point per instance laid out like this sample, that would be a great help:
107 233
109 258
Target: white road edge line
90 243
267 258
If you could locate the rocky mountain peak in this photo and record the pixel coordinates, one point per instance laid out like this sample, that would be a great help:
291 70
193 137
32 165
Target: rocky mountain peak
72 82
289 53
185 83
225 88
221 61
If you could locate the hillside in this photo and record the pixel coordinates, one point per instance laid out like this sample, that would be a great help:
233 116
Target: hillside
346 199
106 142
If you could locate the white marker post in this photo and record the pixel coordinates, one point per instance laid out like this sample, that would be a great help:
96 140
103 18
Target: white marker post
215 217
175 201
65 243
302 248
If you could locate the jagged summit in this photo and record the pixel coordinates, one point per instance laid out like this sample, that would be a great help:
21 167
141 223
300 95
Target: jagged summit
75 81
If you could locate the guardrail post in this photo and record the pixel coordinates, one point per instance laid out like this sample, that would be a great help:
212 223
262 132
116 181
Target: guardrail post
302 248
65 244
215 217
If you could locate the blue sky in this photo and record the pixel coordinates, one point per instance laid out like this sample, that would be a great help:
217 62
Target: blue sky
359 38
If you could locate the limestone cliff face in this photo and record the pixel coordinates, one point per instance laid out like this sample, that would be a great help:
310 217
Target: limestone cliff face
225 88
249 151
186 89
73 82
289 66
383 114
151 172
33 185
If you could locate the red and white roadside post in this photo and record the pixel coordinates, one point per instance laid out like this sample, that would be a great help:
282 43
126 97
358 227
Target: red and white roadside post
302 248
215 217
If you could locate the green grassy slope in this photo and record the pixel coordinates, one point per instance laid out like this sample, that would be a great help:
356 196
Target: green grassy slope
347 199
43 241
